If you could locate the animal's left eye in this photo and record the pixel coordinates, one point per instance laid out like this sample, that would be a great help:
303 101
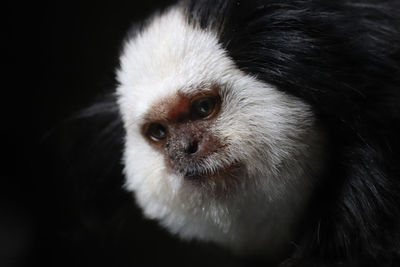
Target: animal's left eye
156 132
203 107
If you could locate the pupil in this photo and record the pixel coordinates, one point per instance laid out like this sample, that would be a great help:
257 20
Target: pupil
205 106
157 131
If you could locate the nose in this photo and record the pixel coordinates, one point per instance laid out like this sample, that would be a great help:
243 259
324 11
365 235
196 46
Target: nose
190 147
181 149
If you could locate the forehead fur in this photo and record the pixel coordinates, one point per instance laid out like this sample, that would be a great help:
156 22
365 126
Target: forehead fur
170 56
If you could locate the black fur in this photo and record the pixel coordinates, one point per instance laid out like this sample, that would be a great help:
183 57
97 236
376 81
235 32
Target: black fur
343 58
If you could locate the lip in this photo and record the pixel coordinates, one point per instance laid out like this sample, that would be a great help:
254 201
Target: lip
223 171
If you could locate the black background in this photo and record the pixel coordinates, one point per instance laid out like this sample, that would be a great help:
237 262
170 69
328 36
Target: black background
55 208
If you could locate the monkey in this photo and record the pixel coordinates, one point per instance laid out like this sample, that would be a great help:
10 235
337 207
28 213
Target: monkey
268 127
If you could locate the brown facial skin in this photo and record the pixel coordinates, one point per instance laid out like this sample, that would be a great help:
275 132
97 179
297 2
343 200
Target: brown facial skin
180 128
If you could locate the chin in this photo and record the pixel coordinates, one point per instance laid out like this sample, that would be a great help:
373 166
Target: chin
269 128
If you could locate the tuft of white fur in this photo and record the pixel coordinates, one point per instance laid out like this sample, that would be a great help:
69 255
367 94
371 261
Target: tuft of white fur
272 134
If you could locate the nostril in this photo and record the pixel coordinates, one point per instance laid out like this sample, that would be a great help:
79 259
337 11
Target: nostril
192 147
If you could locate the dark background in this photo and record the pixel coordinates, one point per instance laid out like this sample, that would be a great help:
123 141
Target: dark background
61 201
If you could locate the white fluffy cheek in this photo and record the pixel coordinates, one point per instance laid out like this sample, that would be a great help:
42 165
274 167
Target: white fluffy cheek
147 177
271 133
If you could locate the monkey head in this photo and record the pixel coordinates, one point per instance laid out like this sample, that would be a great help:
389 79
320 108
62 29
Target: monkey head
211 152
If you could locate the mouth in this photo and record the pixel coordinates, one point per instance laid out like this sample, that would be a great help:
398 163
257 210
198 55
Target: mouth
206 173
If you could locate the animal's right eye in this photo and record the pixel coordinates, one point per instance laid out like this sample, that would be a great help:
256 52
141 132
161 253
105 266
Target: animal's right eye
204 106
156 132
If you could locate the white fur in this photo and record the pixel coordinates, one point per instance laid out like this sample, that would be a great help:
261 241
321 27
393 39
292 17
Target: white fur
271 133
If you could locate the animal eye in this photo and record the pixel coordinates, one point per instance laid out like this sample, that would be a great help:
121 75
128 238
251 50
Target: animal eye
156 131
204 106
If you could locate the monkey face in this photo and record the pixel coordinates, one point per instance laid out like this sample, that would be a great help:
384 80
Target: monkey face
210 151
183 134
